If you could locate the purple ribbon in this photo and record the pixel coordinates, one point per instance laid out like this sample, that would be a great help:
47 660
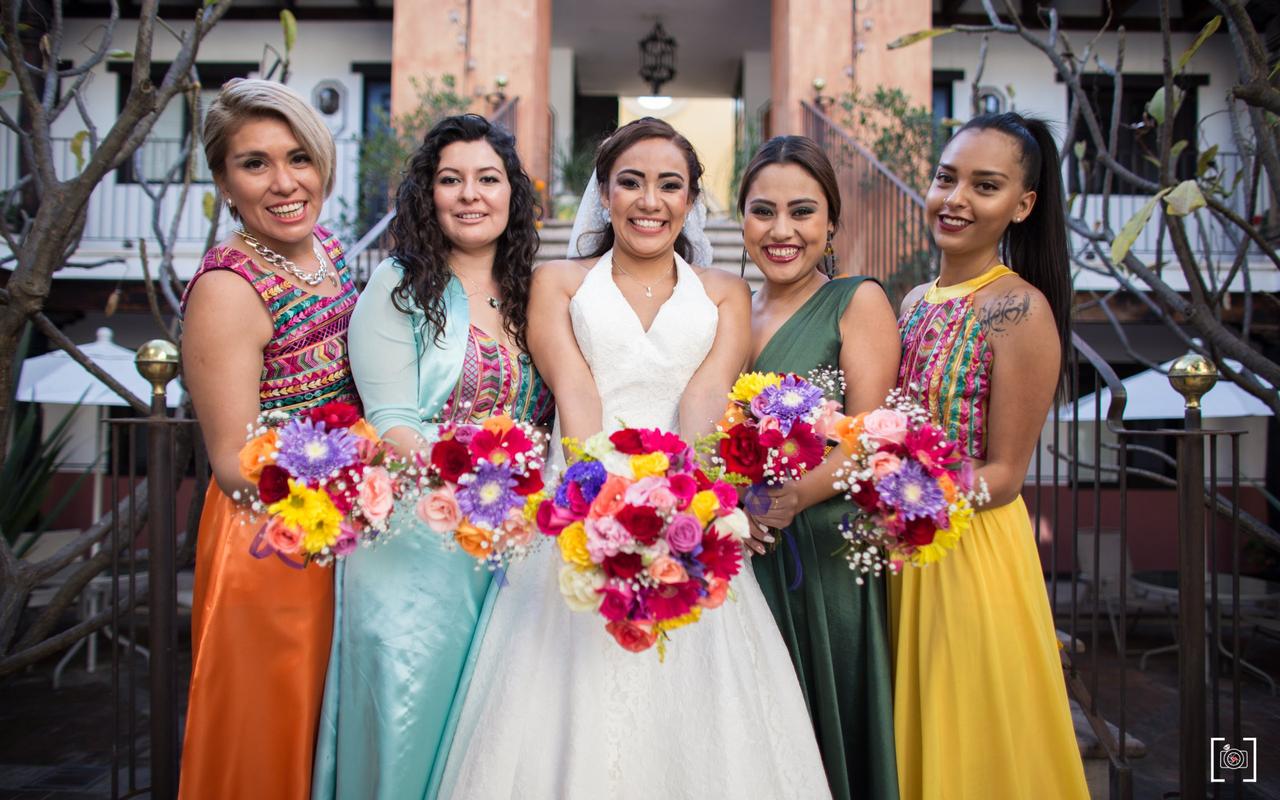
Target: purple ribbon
261 548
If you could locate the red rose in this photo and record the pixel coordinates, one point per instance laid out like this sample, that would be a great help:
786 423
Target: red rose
273 484
624 565
641 522
703 482
866 496
345 499
919 532
628 441
334 415
743 454
634 637
528 484
722 557
616 604
450 458
654 440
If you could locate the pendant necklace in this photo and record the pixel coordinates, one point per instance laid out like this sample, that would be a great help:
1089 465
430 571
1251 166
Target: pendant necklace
493 301
648 290
276 260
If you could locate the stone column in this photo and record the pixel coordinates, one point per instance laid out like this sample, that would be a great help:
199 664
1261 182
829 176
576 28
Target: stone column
477 42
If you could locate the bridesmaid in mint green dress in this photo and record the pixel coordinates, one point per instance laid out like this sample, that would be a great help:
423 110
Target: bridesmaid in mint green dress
803 319
438 335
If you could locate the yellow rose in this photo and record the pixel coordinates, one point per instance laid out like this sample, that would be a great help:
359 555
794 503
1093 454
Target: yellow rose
750 384
257 453
573 545
650 465
704 506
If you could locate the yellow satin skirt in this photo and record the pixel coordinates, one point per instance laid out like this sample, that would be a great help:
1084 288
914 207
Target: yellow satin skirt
980 703
260 635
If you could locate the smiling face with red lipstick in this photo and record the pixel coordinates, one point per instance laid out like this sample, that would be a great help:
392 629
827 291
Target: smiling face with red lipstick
786 223
274 187
647 197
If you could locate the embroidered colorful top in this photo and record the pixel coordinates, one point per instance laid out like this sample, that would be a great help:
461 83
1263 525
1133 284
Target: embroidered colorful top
496 381
305 363
946 359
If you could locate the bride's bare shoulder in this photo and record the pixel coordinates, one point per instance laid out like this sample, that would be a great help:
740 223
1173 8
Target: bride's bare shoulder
563 274
721 285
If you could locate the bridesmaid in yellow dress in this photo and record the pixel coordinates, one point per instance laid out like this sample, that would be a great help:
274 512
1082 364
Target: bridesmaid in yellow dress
980 704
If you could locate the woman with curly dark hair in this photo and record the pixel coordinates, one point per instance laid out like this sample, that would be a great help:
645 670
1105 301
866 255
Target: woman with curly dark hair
438 336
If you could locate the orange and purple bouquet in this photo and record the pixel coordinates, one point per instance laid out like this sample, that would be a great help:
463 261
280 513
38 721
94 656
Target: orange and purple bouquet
914 492
480 485
324 480
648 540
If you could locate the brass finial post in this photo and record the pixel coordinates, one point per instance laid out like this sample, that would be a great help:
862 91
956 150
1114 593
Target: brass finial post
157 361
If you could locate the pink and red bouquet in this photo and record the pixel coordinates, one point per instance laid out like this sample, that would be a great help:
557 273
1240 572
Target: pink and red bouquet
775 429
480 485
913 491
323 479
648 540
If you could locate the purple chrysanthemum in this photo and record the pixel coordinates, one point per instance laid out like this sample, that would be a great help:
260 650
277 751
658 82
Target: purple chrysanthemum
310 452
911 491
488 494
790 400
589 475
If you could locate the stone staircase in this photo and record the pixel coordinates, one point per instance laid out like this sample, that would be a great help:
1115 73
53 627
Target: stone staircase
725 236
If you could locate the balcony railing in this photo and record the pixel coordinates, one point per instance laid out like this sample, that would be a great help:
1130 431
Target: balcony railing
120 212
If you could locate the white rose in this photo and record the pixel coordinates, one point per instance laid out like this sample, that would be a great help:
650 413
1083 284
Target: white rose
733 524
579 588
601 449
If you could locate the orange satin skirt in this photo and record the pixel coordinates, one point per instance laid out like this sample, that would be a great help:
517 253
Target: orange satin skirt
260 635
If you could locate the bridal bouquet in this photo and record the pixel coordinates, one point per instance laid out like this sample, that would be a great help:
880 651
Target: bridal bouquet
647 539
913 491
324 481
480 485
775 428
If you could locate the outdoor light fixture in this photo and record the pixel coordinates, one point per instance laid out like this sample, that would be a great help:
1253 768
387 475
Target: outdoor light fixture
657 58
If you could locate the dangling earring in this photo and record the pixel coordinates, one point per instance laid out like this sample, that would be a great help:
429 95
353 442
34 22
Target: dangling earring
742 265
829 259
231 204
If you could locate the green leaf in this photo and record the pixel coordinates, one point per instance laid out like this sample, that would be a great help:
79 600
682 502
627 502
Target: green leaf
125 54
918 36
1150 159
290 24
1184 199
1177 148
1156 105
1274 71
77 148
1079 149
1210 28
1129 233
210 204
4 77
1206 158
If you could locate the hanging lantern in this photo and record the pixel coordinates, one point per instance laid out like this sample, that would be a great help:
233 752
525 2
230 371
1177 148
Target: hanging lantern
657 58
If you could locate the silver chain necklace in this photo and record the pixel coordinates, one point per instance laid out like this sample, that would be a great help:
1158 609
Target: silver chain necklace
276 260
648 290
493 301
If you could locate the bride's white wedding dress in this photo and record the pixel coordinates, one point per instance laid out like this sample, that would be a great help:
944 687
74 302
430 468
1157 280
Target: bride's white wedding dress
557 710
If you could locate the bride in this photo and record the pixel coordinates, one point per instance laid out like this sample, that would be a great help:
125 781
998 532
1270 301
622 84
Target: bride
632 334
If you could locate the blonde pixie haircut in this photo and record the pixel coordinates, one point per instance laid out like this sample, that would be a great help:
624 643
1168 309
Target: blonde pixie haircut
244 99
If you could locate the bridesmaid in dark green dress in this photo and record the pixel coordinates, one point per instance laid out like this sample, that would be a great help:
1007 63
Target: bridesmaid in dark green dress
803 319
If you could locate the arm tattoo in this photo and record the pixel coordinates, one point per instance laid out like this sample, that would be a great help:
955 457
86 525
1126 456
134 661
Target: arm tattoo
1001 314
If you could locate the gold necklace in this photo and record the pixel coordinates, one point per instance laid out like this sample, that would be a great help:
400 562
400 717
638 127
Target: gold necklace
648 290
276 260
493 301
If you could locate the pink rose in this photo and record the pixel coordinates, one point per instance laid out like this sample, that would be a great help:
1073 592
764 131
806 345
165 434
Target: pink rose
617 602
684 487
758 405
439 510
347 542
605 538
667 570
885 426
282 537
829 415
728 497
684 533
768 423
883 464
653 492
375 494
516 532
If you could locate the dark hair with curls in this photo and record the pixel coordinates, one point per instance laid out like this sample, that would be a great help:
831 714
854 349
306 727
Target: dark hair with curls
804 153
1036 248
423 250
618 143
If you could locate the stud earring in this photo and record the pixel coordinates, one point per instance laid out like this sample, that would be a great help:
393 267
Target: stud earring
604 215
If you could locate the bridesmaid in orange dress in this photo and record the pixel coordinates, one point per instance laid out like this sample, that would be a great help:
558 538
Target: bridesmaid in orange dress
265 328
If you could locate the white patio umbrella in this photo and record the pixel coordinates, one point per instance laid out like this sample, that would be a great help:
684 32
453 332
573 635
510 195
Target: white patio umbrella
1150 396
56 378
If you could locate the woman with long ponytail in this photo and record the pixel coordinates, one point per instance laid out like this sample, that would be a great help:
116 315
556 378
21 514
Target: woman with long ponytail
980 705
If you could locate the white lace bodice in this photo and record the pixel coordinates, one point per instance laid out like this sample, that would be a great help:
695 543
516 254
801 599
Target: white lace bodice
641 374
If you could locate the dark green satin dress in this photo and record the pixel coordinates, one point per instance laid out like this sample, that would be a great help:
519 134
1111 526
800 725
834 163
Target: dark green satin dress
835 629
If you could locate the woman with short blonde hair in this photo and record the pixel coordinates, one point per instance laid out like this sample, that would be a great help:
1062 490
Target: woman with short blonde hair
264 329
